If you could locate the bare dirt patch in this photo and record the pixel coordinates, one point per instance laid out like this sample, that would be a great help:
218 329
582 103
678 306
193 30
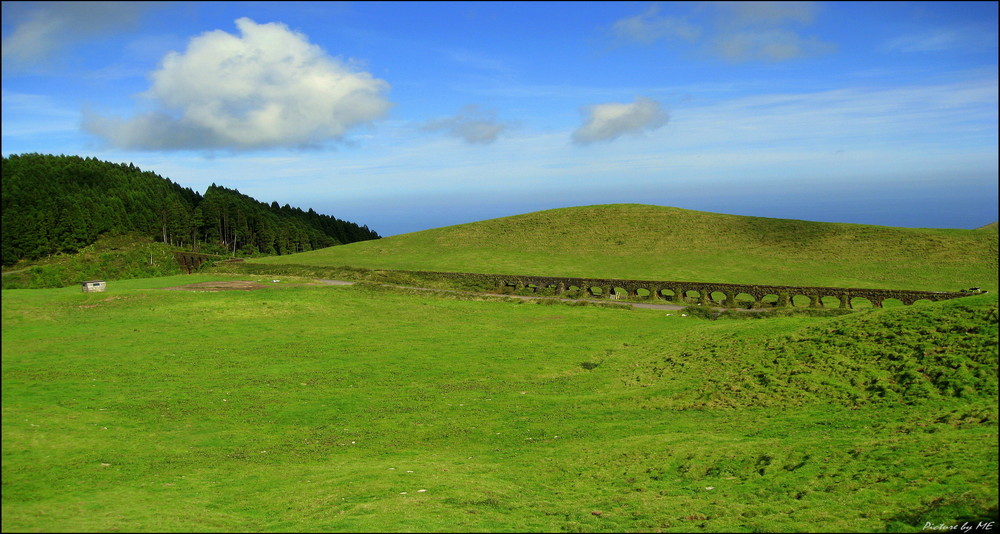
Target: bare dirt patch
235 285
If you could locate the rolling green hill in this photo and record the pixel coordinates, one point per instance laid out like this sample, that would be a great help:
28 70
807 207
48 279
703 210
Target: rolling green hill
635 241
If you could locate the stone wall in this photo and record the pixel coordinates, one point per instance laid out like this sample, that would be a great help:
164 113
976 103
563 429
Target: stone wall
191 261
692 292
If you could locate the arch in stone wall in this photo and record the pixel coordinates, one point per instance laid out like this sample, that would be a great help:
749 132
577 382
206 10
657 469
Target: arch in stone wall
830 301
692 292
860 302
769 299
892 302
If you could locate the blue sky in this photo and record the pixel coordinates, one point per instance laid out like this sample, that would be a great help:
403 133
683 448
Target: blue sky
411 115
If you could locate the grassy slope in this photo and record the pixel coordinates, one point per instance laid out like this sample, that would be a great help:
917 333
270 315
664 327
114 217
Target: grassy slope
316 408
661 243
109 258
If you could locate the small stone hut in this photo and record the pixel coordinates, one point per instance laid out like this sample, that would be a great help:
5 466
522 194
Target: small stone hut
93 286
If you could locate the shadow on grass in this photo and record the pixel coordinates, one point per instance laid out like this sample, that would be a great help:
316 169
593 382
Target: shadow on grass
952 513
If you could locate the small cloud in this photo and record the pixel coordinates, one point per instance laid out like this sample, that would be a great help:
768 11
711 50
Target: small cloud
732 31
649 27
606 122
760 31
767 45
265 88
471 124
42 29
767 13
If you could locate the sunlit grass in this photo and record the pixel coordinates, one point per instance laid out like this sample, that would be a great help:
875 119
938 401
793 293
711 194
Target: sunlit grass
658 243
304 408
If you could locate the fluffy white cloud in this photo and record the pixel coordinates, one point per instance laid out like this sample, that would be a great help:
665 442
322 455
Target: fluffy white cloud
472 124
267 87
606 122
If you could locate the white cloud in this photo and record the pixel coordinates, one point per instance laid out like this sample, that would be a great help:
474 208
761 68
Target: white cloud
767 45
472 124
759 31
650 27
40 30
732 31
266 88
767 13
606 122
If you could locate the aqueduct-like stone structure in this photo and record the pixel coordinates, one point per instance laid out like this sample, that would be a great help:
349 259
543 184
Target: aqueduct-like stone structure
705 293
193 260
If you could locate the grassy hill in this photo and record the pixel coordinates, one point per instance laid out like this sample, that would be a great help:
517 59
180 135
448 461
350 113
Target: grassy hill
662 243
111 257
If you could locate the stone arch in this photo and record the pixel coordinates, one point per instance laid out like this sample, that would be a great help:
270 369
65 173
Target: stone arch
892 302
744 300
769 299
597 291
832 301
690 295
798 299
861 302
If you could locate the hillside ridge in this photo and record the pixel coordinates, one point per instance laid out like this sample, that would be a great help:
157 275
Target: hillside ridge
647 242
61 204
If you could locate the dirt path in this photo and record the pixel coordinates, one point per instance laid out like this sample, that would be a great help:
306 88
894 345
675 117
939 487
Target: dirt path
233 285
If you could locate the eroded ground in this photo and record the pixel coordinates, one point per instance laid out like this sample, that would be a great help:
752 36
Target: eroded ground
233 285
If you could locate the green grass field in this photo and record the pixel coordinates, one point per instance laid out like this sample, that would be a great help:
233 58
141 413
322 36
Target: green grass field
304 407
644 242
318 408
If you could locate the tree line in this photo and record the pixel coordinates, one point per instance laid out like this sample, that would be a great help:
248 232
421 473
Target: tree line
54 204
